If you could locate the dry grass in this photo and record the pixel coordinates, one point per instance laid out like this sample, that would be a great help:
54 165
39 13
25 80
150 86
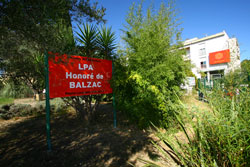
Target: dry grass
192 103
23 141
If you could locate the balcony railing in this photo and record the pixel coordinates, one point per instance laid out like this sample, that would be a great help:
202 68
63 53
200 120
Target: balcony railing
203 66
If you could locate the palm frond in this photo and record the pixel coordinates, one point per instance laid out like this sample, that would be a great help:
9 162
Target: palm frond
106 41
88 38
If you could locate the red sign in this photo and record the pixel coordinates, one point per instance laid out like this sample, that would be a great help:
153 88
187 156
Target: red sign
71 75
219 57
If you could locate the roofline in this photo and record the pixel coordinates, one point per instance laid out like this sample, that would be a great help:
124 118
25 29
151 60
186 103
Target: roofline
205 38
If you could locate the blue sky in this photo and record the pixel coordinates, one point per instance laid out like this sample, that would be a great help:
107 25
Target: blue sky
199 18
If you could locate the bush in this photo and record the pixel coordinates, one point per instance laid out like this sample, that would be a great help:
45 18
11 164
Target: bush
9 111
39 108
144 103
18 110
57 105
11 90
151 68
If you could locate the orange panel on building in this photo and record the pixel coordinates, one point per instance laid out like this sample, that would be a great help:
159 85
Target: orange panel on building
219 57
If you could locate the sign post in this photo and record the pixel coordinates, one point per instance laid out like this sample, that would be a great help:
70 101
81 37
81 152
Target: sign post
47 101
114 107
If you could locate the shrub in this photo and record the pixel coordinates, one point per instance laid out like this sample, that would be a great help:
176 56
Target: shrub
151 68
18 110
11 90
57 105
39 108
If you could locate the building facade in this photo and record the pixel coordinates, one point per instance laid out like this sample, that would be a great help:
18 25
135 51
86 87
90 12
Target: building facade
214 55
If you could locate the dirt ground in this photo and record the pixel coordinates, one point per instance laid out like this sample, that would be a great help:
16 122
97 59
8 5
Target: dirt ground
23 142
30 101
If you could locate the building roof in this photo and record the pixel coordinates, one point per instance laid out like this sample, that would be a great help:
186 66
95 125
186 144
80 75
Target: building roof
195 40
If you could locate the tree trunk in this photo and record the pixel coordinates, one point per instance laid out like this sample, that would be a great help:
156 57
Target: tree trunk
37 95
83 106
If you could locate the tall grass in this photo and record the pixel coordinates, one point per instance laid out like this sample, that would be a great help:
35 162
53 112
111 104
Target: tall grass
220 138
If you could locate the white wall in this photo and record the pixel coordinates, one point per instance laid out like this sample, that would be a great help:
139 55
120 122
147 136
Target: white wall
218 43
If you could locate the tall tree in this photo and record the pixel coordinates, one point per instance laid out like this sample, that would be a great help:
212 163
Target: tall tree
29 28
106 42
96 43
35 20
155 67
245 69
245 66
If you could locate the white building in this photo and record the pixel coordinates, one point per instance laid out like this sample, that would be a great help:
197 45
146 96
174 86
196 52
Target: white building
213 55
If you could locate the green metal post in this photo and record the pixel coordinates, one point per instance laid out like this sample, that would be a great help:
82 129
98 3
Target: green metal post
114 110
47 102
199 86
204 81
114 107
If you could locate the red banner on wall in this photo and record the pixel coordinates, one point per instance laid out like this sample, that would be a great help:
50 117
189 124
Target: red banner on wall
71 75
219 57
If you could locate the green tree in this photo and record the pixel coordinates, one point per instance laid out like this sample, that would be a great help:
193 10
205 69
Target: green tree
35 20
155 67
96 43
245 66
245 69
29 28
106 43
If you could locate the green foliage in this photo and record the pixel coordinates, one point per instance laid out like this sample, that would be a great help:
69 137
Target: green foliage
217 138
96 43
35 21
245 66
58 106
106 42
152 68
10 110
30 28
87 37
4 100
245 69
233 79
12 90
144 99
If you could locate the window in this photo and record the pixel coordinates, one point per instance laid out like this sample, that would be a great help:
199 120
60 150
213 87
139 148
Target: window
202 51
203 64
